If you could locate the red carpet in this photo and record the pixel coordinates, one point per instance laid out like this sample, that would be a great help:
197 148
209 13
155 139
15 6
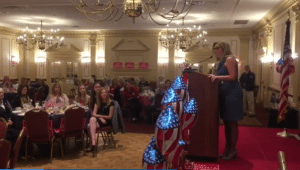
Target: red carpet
258 149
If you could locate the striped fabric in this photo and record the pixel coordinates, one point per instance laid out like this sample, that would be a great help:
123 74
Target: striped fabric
286 68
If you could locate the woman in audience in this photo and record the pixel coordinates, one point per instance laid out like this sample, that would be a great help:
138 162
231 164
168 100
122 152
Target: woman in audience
22 98
94 93
57 99
7 84
112 88
6 113
101 117
82 97
131 94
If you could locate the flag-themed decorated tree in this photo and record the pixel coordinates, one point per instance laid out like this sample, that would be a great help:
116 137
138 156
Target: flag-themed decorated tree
152 158
178 116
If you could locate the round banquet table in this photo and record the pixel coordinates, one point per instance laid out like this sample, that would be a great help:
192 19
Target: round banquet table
19 116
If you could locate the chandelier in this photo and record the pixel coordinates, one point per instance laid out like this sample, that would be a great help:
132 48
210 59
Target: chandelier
182 38
111 10
29 39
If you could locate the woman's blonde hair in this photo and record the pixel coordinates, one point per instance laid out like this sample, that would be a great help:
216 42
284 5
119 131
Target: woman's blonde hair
225 46
53 92
99 98
78 96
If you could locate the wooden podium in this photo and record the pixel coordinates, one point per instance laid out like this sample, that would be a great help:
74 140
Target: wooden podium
204 135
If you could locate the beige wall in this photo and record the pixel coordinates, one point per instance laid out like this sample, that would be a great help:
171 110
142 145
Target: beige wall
143 46
272 27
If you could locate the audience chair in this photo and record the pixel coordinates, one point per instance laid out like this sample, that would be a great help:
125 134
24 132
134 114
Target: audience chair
16 149
3 128
72 125
107 135
38 129
5 152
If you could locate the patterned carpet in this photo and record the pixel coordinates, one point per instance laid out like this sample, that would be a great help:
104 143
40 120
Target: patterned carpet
127 155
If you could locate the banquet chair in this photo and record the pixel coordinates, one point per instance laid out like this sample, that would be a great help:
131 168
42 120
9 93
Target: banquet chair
3 128
38 129
5 152
72 125
16 149
107 136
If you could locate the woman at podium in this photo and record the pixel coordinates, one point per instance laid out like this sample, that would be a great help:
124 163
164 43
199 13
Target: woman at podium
230 96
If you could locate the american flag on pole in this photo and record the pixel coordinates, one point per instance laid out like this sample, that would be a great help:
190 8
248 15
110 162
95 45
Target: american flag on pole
286 67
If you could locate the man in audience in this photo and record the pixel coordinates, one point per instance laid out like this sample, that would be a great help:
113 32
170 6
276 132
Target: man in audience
247 81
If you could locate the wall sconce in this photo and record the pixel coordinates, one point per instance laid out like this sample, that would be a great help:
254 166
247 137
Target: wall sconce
179 60
295 55
100 61
41 57
15 60
85 59
268 58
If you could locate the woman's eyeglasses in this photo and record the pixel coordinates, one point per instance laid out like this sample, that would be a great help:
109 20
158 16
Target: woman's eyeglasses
216 48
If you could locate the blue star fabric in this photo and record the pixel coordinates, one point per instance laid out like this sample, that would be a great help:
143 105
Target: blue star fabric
152 155
191 106
181 143
170 97
178 84
168 119
280 61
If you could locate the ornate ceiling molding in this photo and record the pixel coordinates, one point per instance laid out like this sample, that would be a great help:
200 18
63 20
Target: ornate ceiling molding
8 31
274 14
268 28
296 9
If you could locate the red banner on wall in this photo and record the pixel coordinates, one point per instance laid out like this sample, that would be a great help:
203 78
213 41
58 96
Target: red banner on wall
129 65
117 65
143 65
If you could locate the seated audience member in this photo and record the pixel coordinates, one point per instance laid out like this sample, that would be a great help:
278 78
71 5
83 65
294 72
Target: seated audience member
117 92
7 84
94 93
56 99
82 97
168 84
22 98
155 106
131 94
160 81
101 117
6 113
89 86
44 88
112 88
24 81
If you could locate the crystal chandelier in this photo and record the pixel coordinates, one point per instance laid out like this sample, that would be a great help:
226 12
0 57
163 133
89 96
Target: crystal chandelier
112 10
182 38
29 39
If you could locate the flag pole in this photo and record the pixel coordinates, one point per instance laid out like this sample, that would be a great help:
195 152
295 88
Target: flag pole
286 67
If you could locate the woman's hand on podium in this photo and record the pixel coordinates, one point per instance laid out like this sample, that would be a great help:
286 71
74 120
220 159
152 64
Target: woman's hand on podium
212 77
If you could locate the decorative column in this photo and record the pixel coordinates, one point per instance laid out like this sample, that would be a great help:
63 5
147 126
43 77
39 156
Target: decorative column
296 75
244 53
267 68
93 41
171 69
